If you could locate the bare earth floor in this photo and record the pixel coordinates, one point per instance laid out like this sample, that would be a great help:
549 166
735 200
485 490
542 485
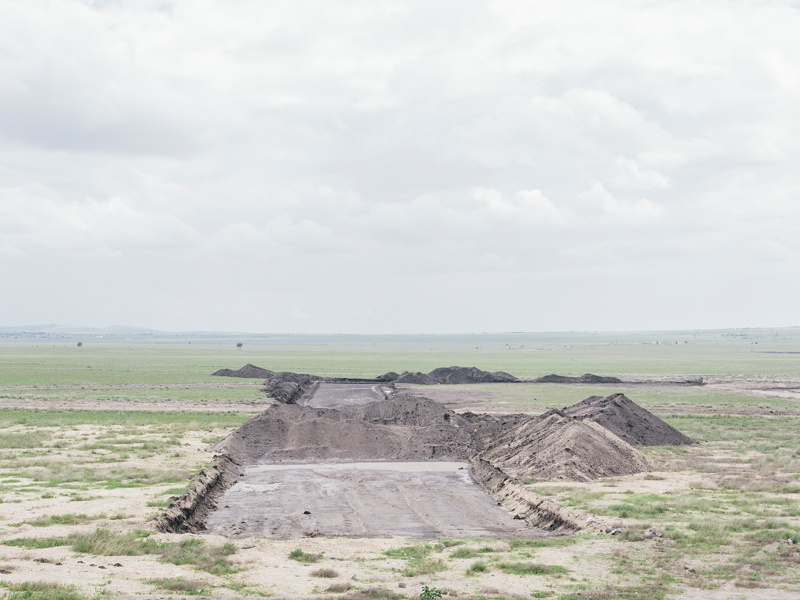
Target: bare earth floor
410 499
331 395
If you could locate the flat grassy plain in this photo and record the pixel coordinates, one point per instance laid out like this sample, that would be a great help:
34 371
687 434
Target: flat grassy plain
94 440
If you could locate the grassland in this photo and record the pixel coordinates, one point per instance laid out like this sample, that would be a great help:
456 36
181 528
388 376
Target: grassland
83 472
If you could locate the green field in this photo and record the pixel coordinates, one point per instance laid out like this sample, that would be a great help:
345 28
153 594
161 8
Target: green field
189 359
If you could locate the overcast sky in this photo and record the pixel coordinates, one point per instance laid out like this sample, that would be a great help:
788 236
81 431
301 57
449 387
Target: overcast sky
400 166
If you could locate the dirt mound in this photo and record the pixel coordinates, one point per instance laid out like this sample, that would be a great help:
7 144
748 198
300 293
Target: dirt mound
577 444
401 429
415 378
449 375
290 388
390 376
585 378
248 371
557 446
455 375
627 420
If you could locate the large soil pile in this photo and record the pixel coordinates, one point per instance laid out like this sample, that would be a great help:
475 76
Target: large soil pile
401 429
248 371
557 446
290 388
627 420
585 378
450 375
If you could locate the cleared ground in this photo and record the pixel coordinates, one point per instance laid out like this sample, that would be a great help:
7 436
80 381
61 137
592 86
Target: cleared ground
409 499
331 395
361 499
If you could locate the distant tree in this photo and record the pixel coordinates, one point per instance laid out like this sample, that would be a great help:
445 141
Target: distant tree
239 345
80 344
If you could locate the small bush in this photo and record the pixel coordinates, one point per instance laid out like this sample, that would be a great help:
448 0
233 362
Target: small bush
179 584
104 542
410 552
326 573
424 567
195 552
429 593
304 557
477 567
464 553
68 519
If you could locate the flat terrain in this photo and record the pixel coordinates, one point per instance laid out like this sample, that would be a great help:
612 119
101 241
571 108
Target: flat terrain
94 441
331 395
426 500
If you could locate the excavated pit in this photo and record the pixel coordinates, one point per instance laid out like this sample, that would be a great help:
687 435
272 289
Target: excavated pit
359 459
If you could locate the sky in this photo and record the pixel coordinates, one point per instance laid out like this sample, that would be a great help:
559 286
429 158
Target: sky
400 166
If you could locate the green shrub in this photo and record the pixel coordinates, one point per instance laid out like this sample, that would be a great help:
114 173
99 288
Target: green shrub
477 567
179 584
40 590
304 557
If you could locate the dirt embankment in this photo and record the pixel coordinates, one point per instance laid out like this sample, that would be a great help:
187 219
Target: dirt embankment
522 502
189 512
557 446
591 378
404 428
248 371
585 378
449 375
627 420
291 388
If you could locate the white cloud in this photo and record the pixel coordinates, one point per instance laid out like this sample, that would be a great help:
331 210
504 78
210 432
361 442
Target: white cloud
34 221
267 147
621 208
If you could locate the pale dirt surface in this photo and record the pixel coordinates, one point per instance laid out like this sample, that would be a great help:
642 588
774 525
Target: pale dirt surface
330 395
415 500
764 389
730 592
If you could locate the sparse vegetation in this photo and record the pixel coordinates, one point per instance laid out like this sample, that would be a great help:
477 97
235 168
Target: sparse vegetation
530 568
104 542
40 590
179 584
731 523
304 557
477 567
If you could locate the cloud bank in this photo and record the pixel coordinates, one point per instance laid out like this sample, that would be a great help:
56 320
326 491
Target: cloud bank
399 166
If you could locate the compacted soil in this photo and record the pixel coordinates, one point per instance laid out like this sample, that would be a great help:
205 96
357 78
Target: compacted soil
409 499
